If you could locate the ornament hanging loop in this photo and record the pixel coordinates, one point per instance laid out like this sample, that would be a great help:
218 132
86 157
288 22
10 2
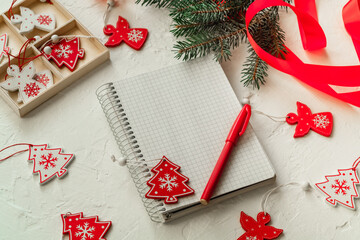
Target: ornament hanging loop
356 163
109 5
18 144
304 186
273 118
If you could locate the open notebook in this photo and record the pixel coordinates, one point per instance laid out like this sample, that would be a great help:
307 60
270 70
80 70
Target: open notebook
184 112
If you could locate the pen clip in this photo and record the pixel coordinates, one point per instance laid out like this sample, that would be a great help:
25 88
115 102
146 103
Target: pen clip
247 109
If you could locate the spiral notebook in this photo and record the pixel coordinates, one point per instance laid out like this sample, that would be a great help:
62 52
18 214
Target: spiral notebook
184 112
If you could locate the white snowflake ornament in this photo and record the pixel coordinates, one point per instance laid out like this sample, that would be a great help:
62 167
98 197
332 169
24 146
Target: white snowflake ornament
29 20
24 81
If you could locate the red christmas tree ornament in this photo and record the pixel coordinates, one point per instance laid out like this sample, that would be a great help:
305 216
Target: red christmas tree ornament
80 228
321 123
257 230
341 188
168 183
66 52
134 37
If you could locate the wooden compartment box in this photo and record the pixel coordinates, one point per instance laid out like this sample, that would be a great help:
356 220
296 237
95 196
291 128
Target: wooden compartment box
66 24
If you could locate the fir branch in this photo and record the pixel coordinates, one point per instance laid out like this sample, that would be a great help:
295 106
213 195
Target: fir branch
254 71
202 44
215 26
206 11
157 3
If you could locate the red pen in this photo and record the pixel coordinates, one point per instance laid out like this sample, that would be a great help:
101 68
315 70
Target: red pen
236 131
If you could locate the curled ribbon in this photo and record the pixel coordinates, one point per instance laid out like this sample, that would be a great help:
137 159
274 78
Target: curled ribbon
342 82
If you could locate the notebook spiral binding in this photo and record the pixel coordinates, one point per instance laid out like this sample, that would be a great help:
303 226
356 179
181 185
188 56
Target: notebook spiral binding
130 149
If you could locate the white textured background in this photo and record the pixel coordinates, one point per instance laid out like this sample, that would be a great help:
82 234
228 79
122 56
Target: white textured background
95 185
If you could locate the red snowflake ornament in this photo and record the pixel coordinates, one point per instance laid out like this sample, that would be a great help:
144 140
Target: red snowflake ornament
257 230
48 162
4 49
66 52
341 188
134 37
24 81
168 183
29 20
321 123
80 228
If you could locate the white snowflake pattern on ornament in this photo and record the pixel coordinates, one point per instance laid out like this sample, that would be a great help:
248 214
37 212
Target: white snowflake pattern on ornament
43 79
85 232
31 89
168 182
48 161
340 187
44 19
63 51
135 35
251 238
321 121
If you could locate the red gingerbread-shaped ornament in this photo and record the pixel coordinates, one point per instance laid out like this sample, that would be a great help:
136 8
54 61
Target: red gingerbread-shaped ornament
257 230
134 37
321 123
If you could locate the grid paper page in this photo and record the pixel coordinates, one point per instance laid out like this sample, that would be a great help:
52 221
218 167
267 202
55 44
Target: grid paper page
185 112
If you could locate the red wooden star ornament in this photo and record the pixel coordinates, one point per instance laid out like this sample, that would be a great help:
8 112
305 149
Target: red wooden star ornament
134 37
257 230
66 52
84 228
321 123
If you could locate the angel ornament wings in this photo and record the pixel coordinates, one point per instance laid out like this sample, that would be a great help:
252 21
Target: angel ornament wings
322 123
29 20
257 229
27 82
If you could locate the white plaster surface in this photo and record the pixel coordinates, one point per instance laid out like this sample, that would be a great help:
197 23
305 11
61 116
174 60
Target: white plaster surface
95 185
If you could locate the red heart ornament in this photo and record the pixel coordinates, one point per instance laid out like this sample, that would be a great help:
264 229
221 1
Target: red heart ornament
134 37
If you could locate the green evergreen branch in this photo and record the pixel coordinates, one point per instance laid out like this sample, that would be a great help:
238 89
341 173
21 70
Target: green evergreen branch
208 27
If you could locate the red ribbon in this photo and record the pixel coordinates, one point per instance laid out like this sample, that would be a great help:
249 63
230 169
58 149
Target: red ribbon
345 79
